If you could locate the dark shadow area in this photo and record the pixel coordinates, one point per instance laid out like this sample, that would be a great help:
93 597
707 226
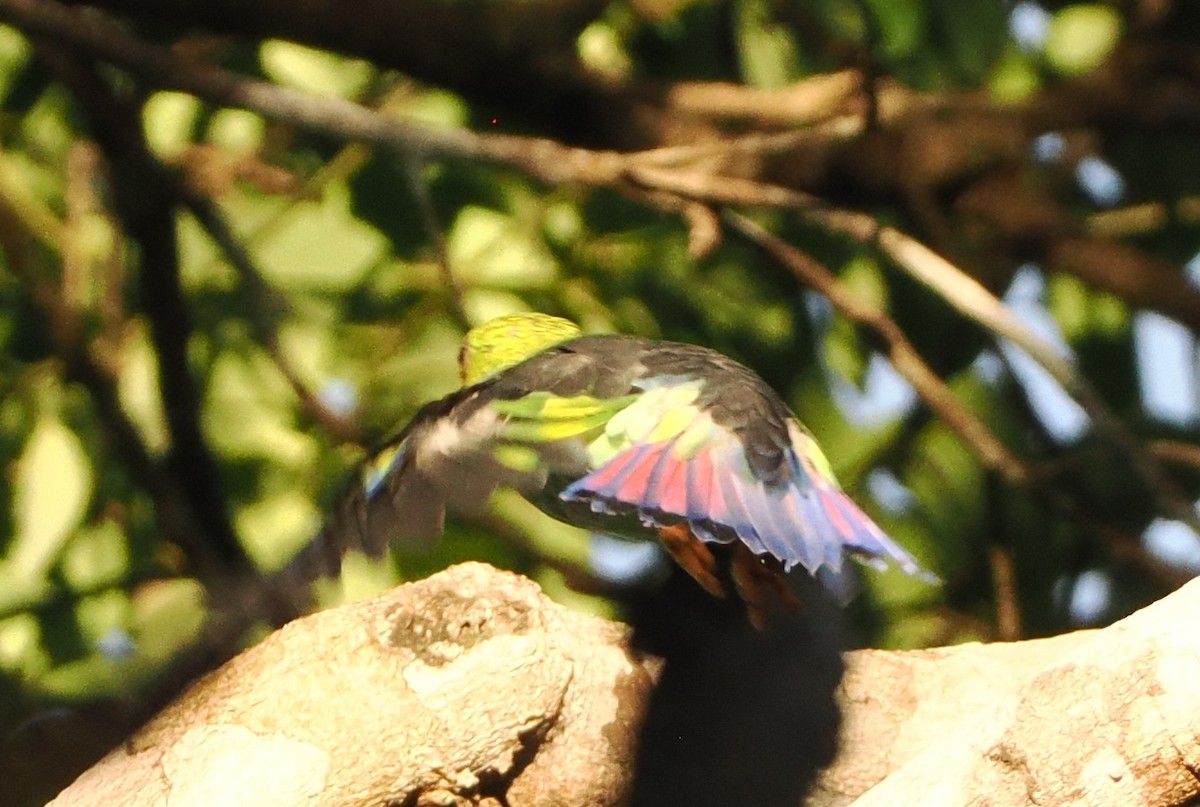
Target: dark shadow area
739 716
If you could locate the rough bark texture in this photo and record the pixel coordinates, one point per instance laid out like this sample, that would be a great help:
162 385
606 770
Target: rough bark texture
472 687
1099 718
468 685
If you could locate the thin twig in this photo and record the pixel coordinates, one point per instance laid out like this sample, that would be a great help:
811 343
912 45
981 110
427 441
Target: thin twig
960 290
267 305
974 433
85 365
97 35
437 235
546 160
811 100
904 357
1004 582
971 299
868 65
1176 452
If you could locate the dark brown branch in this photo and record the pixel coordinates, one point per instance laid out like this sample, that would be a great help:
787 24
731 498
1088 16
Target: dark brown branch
102 38
489 52
147 208
1176 452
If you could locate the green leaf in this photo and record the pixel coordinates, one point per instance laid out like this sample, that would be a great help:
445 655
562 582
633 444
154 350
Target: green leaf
236 130
169 118
972 34
52 490
949 482
96 556
766 51
274 528
166 616
1081 37
314 71
248 412
901 25
137 387
1014 78
14 54
321 246
843 349
489 248
863 277
844 352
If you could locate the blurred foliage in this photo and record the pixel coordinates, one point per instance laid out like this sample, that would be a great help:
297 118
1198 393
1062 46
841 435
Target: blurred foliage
94 600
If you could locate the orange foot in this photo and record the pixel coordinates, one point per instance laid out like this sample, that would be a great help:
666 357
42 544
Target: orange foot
693 556
760 585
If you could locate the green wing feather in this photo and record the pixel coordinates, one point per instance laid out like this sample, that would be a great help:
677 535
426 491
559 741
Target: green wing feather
543 417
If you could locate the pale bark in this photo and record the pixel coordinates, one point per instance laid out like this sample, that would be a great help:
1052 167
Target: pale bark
472 687
1097 718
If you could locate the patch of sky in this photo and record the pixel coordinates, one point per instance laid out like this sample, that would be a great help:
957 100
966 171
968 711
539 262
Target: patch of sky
116 644
1173 543
620 561
339 396
1029 25
1087 597
1049 148
1166 357
1103 183
988 367
892 495
885 395
1062 417
1168 362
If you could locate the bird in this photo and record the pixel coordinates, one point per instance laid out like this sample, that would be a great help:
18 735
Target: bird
635 438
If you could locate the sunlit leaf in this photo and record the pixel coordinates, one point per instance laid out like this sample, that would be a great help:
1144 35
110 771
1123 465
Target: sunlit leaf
14 53
248 408
949 482
97 555
137 387
1082 36
436 108
275 527
316 71
48 125
52 488
490 248
1014 78
844 352
321 246
20 650
166 615
25 187
168 118
600 49
766 50
236 130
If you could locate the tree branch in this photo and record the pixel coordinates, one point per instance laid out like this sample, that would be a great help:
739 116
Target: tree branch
147 210
472 685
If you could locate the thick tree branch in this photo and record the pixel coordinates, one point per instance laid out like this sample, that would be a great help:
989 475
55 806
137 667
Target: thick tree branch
471 685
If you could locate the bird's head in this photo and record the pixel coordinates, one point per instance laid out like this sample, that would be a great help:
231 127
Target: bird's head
500 343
